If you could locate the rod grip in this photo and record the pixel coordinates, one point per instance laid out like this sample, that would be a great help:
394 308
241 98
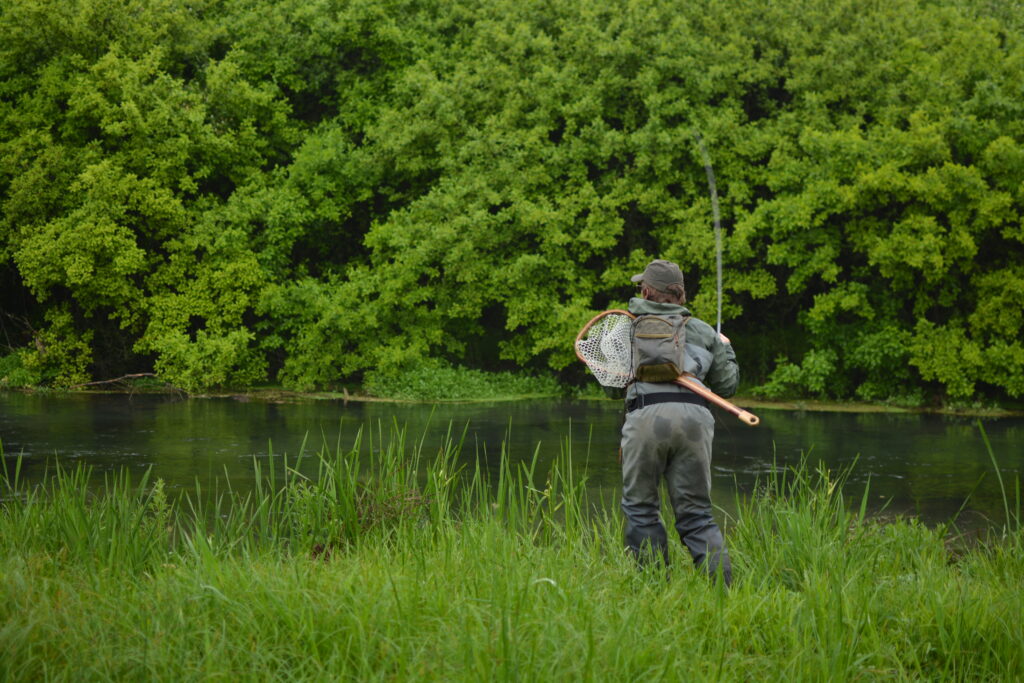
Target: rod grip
749 418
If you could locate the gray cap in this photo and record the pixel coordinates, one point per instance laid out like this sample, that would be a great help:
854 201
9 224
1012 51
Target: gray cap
660 274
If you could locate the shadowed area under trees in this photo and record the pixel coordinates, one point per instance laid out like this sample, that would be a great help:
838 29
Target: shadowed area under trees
232 192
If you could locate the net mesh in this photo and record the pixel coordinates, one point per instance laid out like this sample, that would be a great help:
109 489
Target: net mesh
606 350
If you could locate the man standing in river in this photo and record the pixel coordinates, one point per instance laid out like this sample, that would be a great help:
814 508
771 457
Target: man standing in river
668 430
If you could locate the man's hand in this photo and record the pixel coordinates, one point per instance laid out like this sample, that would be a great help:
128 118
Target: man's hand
725 340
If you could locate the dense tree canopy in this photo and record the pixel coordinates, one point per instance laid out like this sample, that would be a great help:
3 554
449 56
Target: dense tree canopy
236 191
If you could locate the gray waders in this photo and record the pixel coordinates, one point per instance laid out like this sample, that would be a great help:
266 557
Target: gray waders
671 440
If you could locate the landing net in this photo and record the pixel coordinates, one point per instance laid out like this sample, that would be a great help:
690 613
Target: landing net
605 348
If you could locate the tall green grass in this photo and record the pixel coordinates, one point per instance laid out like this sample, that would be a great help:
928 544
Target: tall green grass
392 562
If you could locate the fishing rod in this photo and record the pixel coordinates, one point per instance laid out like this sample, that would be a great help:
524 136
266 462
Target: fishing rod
717 223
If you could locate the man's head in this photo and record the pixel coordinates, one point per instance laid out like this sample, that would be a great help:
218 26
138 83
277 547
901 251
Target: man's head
662 281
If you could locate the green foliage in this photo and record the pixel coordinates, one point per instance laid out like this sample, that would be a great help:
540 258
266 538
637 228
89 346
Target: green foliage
813 376
60 353
208 360
309 191
903 210
433 382
13 372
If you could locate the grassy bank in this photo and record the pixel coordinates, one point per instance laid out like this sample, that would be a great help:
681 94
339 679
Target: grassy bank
393 565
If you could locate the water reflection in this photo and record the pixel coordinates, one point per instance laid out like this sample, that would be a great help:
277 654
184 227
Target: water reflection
916 464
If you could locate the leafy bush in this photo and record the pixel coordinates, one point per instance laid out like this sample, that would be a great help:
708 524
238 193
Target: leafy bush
60 354
13 372
436 381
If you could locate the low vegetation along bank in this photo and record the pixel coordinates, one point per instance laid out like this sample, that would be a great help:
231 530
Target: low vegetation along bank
458 384
391 563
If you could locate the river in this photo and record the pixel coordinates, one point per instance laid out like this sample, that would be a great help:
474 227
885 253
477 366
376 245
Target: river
923 465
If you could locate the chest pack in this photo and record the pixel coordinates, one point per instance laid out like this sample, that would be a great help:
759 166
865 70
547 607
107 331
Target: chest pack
659 343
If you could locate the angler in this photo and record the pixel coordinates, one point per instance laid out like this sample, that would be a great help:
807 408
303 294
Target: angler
668 428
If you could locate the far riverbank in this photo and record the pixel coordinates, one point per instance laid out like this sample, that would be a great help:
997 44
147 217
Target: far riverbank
752 403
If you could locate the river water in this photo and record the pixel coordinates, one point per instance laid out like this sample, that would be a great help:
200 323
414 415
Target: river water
923 465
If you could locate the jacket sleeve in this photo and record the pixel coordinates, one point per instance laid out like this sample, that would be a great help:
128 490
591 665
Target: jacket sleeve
724 375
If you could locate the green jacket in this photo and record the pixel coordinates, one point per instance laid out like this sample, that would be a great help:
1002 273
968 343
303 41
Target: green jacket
708 358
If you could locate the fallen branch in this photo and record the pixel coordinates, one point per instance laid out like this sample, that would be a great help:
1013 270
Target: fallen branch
111 381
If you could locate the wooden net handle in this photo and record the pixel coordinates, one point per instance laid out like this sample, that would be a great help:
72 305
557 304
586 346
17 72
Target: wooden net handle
691 383
688 381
